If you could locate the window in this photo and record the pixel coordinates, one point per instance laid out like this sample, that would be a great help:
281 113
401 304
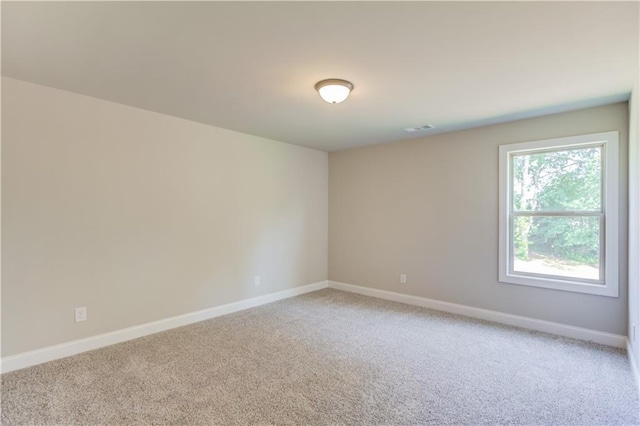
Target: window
559 214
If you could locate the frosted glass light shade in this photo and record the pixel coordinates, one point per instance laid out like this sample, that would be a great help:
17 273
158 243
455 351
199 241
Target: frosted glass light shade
334 90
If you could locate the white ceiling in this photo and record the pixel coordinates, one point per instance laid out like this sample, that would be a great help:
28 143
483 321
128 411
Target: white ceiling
251 66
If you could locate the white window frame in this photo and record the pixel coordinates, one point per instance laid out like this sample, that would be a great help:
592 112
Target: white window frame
610 176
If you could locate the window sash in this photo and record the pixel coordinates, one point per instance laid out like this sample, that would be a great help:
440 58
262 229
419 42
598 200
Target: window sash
601 254
575 147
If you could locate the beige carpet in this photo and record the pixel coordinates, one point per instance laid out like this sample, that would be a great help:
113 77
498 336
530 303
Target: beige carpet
331 357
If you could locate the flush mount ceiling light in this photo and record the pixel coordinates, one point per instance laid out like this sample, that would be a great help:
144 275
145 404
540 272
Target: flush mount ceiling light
334 90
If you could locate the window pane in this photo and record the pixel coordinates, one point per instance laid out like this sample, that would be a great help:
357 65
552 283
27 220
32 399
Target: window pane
557 245
558 180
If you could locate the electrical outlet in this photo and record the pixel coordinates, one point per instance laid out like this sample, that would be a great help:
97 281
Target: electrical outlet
403 278
633 332
256 280
81 314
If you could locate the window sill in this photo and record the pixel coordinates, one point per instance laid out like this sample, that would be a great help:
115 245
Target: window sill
558 284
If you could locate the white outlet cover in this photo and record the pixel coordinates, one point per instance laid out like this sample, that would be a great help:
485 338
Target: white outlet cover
403 278
256 280
81 314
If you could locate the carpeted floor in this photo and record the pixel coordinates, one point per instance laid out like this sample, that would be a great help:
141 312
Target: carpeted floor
331 357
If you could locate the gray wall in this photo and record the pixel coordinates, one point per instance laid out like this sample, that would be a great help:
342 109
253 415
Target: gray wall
428 207
634 221
140 216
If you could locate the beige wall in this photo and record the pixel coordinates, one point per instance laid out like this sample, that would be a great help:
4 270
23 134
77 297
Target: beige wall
428 207
140 216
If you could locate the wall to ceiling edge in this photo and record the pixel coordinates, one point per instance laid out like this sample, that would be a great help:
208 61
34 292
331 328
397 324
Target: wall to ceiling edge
141 216
428 208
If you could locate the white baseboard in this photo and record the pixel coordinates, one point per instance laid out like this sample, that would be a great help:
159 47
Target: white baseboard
39 356
559 329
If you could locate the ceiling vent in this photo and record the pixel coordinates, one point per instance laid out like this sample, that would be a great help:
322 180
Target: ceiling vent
418 129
